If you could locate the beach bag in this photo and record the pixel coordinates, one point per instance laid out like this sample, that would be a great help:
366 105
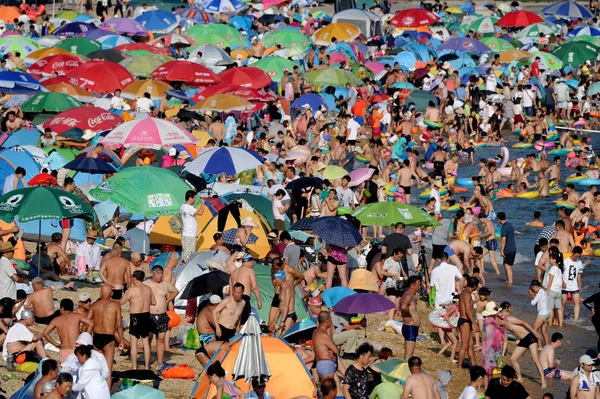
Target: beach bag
183 372
192 339
176 223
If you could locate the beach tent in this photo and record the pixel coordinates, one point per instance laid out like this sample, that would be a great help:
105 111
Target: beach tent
162 234
21 137
290 378
139 391
11 159
196 266
368 22
20 248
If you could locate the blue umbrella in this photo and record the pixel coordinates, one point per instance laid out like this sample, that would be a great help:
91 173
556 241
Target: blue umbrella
98 33
333 295
468 71
303 328
329 100
314 100
105 211
178 94
465 44
194 15
83 18
568 9
585 30
19 83
93 166
337 231
241 22
343 48
158 21
230 160
222 6
303 224
112 41
404 86
406 59
74 29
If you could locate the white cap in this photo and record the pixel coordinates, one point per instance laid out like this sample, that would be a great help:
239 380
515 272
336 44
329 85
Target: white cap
214 299
172 151
84 339
586 359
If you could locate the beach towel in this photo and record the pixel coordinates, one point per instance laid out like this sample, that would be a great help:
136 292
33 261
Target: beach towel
491 347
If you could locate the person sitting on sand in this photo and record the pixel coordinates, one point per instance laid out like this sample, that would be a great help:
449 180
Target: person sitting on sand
550 362
419 385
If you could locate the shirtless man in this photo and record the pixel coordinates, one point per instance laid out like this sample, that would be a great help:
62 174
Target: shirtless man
491 243
136 263
565 239
588 196
219 244
432 113
528 339
580 389
14 123
543 184
217 128
206 325
330 206
467 323
325 349
595 206
462 254
164 293
57 254
418 384
246 276
573 196
106 315
41 302
228 314
405 176
485 203
85 304
68 326
286 302
451 167
314 273
140 298
49 374
293 277
553 171
410 315
550 363
115 273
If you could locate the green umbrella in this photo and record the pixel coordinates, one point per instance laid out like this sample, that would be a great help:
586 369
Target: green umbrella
483 25
587 38
37 203
547 62
533 31
143 66
219 35
333 172
576 53
287 38
333 77
389 213
69 15
274 66
50 102
79 45
147 190
14 43
497 45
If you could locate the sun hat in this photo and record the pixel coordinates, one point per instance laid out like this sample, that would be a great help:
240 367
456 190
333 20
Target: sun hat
586 359
490 309
6 247
249 222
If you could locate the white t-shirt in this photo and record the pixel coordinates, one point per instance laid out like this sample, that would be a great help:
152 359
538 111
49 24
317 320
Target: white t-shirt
190 224
276 213
345 196
469 393
9 184
443 278
18 332
541 301
144 104
572 269
353 127
116 102
434 193
556 280
8 287
391 266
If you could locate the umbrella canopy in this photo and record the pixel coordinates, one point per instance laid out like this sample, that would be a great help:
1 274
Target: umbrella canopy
512 55
497 45
246 77
533 31
286 38
483 25
37 203
74 91
363 304
112 40
518 19
585 30
143 66
360 175
158 21
139 391
593 89
111 55
333 77
136 49
576 53
219 35
222 6
149 191
332 296
12 82
23 45
304 182
79 45
185 71
155 88
60 64
548 62
342 31
207 283
174 40
93 166
50 102
333 172
100 76
465 44
125 26
568 9
275 66
9 13
230 160
303 328
251 361
148 133
389 213
224 103
73 29
413 18
43 53
93 118
337 231
194 15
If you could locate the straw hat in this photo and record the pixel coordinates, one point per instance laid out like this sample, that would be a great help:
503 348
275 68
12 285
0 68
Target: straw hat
490 309
249 222
6 247
91 234
183 155
321 166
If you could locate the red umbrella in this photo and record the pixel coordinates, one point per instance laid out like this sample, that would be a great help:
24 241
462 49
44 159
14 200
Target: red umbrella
379 98
100 76
60 63
42 179
252 94
185 71
143 47
54 81
219 88
246 77
519 19
84 118
413 18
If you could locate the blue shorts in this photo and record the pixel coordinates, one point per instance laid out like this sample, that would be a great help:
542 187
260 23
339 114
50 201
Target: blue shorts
491 245
449 251
326 367
410 333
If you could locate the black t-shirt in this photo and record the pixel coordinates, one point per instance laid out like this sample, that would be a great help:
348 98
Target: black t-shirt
496 390
357 379
396 240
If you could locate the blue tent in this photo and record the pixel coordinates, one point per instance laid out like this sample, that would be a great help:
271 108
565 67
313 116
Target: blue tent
31 230
22 137
11 160
314 100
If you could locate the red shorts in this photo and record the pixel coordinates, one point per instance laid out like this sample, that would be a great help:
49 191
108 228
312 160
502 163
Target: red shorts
66 223
376 131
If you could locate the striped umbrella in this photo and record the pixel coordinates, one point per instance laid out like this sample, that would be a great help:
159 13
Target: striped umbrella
533 31
230 160
585 30
112 41
23 45
483 25
222 6
568 9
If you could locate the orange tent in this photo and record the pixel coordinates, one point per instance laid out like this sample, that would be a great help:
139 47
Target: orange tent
290 378
9 13
20 248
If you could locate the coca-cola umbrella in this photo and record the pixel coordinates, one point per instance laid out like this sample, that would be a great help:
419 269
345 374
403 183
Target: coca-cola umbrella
84 118
149 133
251 77
185 71
60 63
142 47
100 76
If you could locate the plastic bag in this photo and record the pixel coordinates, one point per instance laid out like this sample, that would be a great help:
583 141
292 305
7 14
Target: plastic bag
192 339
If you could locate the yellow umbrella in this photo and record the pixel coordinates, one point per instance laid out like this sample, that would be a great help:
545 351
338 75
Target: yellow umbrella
342 31
512 55
47 52
224 103
202 136
240 55
74 91
139 87
333 172
453 10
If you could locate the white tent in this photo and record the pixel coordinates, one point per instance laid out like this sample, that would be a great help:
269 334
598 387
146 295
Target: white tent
368 22
194 267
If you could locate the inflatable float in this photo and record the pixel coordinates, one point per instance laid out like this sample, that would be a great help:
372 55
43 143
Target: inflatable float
452 208
556 191
523 145
425 194
560 151
528 194
460 189
503 169
575 179
437 318
432 124
568 205
481 145
588 182
544 146
464 182
504 193
469 233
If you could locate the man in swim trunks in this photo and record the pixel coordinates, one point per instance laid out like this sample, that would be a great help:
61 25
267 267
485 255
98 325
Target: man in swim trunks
550 362
41 302
286 302
405 176
140 298
410 315
228 314
106 315
467 323
114 271
247 278
325 349
68 327
58 255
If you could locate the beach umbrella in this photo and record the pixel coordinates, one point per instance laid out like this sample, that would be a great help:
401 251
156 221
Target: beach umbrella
79 45
12 82
50 102
23 45
207 283
251 361
222 6
16 100
360 175
404 86
240 22
149 191
91 165
9 13
73 29
173 40
342 31
100 76
148 133
74 91
312 99
364 303
337 231
533 31
93 118
139 391
585 30
111 41
333 172
251 94
111 55
218 88
144 65
287 38
125 26
548 62
465 44
31 58
274 66
333 77
60 64
155 88
223 103
413 18
302 329
332 296
576 53
303 224
158 21
194 15
389 213
421 99
593 89
67 15
137 49
185 71
520 18
304 182
568 9
219 35
497 45
246 77
229 160
512 55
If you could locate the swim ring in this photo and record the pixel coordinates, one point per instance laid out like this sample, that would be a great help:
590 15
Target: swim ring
568 205
437 319
588 182
528 194
425 194
452 208
432 124
523 145
464 182
556 191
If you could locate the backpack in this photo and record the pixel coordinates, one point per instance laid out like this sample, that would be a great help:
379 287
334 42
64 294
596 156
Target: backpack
176 223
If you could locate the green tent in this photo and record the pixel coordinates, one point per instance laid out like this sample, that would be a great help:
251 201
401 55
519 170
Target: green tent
421 99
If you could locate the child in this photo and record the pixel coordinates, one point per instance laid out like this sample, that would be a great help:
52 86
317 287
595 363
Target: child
536 222
451 311
484 298
539 298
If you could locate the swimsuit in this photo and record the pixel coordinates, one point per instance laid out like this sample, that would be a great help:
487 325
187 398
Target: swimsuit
247 309
527 341
160 323
47 319
462 321
449 251
553 372
326 367
275 302
117 294
102 340
410 333
226 333
140 324
292 316
491 245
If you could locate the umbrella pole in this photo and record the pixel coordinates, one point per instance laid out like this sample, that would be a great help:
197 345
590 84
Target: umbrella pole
144 246
39 262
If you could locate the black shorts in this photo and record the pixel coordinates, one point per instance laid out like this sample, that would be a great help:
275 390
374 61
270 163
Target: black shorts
101 341
527 341
275 302
226 334
160 323
437 251
406 189
247 309
140 325
117 294
334 262
509 259
393 292
48 319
